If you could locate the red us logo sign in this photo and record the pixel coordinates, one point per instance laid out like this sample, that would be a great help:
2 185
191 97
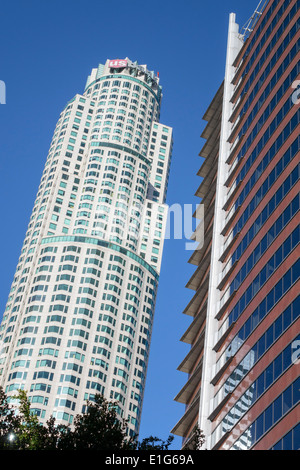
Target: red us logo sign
118 63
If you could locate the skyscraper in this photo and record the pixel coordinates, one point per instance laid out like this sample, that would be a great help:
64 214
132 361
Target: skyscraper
243 366
79 316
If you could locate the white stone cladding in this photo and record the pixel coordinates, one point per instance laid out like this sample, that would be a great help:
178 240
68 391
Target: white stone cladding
80 312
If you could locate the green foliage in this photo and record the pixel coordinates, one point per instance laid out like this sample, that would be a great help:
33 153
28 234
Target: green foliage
154 443
198 439
9 422
29 432
97 429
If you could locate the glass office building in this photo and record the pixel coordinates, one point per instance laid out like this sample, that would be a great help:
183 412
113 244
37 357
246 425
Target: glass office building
243 385
79 316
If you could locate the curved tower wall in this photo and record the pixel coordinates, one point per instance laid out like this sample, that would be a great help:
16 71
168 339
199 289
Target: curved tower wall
79 316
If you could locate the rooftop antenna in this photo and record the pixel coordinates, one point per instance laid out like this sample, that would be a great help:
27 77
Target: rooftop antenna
250 24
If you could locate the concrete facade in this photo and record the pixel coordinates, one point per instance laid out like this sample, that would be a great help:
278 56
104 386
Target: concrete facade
243 383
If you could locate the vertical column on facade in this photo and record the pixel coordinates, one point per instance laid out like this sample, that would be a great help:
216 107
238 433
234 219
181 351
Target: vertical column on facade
234 45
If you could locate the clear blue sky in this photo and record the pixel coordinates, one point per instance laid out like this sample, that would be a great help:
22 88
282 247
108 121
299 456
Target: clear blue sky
48 48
